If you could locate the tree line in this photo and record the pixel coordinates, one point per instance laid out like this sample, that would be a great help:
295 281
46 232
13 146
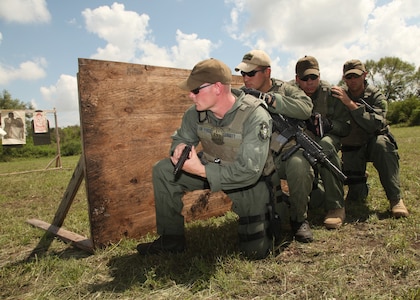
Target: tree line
70 137
398 80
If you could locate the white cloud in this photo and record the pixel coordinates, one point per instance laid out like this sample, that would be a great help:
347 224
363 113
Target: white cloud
28 70
389 32
123 30
129 39
63 95
24 11
333 31
185 54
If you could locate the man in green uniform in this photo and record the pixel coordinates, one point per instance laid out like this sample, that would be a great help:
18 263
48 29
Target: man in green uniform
330 121
234 131
291 102
370 139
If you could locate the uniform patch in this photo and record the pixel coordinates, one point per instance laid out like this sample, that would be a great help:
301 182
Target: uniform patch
217 135
264 133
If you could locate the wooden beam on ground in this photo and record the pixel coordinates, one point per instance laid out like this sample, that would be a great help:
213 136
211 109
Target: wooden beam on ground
77 240
61 214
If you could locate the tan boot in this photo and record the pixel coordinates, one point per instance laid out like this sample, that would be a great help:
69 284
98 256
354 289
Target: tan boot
335 218
398 209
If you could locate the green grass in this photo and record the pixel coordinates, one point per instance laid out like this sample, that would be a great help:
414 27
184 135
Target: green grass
372 256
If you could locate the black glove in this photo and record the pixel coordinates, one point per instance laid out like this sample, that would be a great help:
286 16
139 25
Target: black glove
327 125
316 121
266 97
310 125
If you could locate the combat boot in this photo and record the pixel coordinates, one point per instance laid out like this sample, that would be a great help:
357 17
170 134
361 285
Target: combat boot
302 231
398 209
334 218
164 244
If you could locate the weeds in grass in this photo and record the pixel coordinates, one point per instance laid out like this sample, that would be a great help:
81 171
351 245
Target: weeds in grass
372 256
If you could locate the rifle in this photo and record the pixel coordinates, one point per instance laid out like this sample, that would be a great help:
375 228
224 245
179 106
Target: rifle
368 107
286 132
312 150
184 156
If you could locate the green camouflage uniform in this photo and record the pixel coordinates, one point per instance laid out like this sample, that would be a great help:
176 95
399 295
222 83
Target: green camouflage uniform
236 149
292 102
331 194
370 141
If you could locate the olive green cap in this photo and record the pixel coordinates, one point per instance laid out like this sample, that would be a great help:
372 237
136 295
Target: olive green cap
207 71
307 65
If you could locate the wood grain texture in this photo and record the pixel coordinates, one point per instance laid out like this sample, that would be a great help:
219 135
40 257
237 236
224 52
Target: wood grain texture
127 114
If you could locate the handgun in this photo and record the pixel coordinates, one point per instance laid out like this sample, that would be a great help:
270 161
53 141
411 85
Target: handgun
184 156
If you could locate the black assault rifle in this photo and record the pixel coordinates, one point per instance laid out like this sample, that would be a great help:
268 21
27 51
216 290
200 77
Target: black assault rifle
184 156
286 132
368 107
312 151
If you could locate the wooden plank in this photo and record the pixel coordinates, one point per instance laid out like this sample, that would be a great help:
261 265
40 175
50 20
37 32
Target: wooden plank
127 114
61 213
69 194
65 235
204 204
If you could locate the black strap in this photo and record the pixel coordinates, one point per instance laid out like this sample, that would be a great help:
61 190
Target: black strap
345 148
253 219
251 237
355 177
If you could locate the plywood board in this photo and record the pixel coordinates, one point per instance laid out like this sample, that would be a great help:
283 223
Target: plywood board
127 114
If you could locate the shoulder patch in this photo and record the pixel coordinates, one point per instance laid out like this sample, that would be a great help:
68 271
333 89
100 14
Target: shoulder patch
264 133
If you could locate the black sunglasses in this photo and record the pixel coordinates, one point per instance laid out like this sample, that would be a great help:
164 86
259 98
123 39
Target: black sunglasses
310 76
352 75
252 73
197 90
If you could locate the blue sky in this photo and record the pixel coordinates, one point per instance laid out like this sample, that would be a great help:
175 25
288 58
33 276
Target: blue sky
41 40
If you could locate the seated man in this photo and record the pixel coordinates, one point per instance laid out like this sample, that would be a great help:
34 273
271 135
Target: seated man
370 139
330 122
291 102
234 131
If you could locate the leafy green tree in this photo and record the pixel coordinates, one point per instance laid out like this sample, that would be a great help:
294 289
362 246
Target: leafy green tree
70 140
404 111
417 82
6 102
397 79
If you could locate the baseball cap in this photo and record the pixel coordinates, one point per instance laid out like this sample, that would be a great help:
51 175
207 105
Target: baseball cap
207 71
307 65
354 66
253 59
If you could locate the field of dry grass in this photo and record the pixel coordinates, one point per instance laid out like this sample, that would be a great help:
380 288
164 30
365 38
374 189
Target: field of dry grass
372 256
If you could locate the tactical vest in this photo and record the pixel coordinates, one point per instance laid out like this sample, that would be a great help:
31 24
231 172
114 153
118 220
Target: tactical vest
221 144
321 101
277 145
